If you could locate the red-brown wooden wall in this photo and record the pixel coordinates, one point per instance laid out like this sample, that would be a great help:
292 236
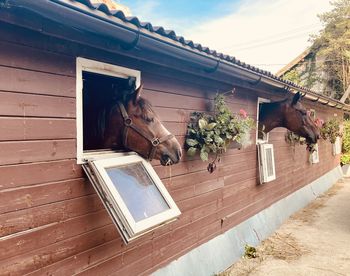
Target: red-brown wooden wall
51 220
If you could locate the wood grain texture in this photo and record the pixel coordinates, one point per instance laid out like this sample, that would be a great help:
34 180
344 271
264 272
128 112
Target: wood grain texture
14 128
18 175
26 81
34 151
53 223
27 105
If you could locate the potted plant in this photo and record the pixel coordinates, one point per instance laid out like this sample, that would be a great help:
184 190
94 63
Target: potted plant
330 130
213 133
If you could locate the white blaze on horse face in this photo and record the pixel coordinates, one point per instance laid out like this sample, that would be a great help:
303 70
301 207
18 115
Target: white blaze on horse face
175 147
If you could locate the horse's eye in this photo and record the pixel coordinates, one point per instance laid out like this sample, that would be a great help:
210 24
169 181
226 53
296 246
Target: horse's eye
149 120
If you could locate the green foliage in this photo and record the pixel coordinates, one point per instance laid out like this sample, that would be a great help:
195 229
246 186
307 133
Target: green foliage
294 139
333 48
346 137
345 158
293 76
207 133
330 130
250 252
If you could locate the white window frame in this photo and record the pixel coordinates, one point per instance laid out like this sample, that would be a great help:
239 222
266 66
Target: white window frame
337 146
260 141
314 156
113 201
314 112
88 65
264 178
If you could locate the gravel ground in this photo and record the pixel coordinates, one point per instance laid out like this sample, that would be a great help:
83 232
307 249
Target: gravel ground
313 242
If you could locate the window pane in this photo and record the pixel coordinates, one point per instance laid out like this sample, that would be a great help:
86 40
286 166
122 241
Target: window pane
139 193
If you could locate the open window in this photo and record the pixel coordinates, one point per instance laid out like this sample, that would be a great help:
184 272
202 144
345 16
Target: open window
266 163
127 184
261 137
266 157
132 193
98 85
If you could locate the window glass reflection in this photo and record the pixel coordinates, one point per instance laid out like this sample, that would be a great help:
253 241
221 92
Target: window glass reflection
139 193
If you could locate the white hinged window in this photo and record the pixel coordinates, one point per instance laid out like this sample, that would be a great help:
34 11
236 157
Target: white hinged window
261 137
314 156
132 193
93 87
337 146
266 163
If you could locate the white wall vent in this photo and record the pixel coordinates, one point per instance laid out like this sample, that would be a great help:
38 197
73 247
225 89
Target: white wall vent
337 146
266 163
314 157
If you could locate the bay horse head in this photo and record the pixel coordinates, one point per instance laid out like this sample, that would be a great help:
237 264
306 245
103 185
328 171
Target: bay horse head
291 114
132 124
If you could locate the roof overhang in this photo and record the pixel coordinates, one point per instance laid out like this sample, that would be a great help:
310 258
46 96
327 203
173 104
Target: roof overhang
81 17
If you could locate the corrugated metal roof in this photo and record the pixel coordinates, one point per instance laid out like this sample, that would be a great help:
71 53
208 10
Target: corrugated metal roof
172 35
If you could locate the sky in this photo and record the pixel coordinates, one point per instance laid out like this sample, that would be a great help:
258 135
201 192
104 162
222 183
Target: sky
264 33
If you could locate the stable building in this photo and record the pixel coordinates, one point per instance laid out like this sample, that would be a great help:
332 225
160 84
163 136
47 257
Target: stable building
52 221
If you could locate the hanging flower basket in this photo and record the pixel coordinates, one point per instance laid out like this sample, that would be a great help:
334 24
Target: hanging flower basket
213 133
330 130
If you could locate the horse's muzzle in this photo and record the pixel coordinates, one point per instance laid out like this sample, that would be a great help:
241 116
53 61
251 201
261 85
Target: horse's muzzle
167 159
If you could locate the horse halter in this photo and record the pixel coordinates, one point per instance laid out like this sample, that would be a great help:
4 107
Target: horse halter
155 141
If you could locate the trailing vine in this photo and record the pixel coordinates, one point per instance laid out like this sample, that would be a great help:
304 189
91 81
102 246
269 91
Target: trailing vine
295 139
213 133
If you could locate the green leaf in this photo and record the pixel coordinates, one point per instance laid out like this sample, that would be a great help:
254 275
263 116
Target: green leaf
210 126
191 151
191 142
204 155
202 123
218 140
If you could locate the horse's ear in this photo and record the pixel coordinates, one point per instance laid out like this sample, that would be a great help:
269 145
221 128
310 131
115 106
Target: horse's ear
296 98
137 94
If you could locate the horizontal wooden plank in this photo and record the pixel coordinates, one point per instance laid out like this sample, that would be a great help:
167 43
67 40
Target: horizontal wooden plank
18 104
12 128
20 56
13 176
26 81
35 151
40 237
199 200
120 262
113 248
47 260
161 99
184 180
25 219
31 196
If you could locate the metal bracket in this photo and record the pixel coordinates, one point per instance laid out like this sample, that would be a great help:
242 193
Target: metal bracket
255 82
213 70
133 44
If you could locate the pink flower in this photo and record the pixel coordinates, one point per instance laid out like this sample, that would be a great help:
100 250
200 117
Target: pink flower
319 122
243 113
